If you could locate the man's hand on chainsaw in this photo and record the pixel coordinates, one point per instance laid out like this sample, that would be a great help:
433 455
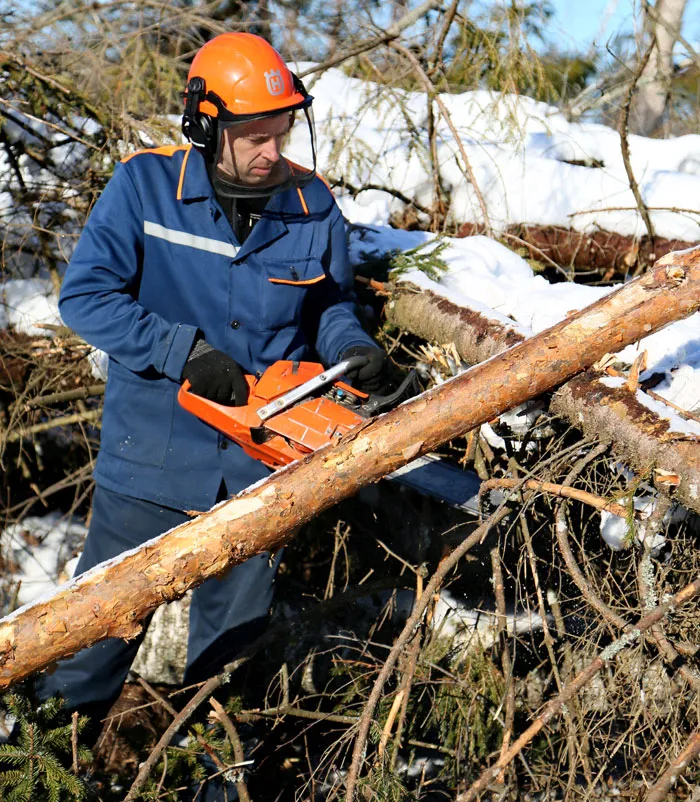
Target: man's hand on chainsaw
215 376
373 377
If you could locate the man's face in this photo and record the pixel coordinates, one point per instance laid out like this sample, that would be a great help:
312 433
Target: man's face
251 152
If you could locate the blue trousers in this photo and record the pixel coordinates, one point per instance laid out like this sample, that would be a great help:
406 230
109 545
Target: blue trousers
225 614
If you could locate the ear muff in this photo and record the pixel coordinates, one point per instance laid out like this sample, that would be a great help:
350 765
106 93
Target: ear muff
198 128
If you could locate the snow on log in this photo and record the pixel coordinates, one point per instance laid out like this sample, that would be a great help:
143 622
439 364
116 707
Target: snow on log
111 599
638 435
640 438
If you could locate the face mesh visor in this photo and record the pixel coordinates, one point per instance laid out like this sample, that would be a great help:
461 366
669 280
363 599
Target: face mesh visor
249 161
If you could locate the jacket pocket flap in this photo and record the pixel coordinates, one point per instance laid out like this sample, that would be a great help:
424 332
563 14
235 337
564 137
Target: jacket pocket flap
298 272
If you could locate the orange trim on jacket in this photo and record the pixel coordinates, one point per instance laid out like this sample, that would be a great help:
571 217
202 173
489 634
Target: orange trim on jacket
163 150
297 283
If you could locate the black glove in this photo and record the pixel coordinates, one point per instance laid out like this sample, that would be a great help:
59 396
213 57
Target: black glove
214 375
372 377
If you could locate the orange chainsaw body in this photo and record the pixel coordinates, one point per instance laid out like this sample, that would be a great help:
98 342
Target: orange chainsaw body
288 435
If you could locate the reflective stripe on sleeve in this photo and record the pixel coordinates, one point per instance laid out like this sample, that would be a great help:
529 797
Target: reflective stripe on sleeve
190 240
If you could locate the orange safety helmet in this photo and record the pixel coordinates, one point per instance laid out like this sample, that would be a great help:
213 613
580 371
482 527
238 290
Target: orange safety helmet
235 78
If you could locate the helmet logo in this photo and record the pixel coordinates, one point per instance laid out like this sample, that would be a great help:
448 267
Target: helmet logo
275 82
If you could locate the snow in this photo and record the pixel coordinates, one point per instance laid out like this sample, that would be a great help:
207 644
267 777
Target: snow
519 151
676 423
28 304
619 534
39 554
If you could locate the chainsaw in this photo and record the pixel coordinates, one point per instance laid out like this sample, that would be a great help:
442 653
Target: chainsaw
295 408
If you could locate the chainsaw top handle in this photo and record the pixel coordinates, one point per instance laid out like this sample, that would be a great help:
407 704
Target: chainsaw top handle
354 362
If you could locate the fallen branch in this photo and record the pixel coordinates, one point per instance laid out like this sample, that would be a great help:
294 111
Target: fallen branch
607 253
556 706
562 491
668 779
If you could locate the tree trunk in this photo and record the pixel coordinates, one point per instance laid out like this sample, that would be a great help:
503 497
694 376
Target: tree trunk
111 599
638 436
663 23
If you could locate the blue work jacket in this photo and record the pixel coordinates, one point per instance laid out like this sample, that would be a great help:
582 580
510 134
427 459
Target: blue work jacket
158 260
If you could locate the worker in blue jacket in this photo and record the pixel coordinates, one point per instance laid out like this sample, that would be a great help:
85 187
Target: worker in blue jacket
203 262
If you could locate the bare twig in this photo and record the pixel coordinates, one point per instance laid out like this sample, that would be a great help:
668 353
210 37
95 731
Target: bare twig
74 739
506 662
212 684
624 145
67 395
554 707
90 416
563 491
406 634
432 92
238 753
341 182
409 674
391 33
660 790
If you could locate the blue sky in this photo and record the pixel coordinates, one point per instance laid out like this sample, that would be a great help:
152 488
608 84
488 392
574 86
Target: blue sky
579 23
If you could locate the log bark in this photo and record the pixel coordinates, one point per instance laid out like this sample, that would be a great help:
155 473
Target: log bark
607 252
638 436
112 598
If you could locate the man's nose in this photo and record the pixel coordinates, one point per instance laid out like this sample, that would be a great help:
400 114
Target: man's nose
271 150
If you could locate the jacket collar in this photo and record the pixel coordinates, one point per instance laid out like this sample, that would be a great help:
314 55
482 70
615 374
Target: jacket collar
194 183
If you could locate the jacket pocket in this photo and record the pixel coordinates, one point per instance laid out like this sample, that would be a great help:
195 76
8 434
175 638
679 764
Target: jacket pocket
138 416
287 282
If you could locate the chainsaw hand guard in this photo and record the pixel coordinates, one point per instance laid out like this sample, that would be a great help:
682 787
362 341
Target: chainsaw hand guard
408 388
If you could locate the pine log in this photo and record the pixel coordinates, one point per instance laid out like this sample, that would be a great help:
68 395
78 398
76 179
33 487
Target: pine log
606 251
111 599
637 435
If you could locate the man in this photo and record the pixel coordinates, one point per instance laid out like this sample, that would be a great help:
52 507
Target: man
202 262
